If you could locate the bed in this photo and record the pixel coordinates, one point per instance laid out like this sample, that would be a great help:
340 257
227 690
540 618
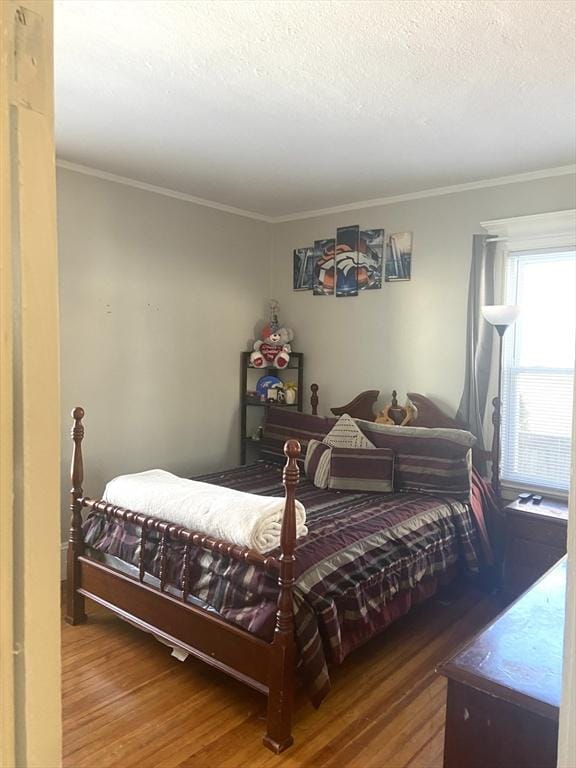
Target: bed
264 618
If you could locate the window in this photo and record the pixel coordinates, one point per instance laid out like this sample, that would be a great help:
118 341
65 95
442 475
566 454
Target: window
538 369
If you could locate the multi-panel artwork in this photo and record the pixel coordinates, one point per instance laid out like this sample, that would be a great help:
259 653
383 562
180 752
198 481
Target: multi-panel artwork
399 257
347 244
323 284
370 259
356 260
304 261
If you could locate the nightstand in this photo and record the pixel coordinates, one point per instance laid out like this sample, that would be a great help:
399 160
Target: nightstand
535 540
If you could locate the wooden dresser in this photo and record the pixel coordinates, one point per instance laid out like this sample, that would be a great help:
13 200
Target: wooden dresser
535 540
504 686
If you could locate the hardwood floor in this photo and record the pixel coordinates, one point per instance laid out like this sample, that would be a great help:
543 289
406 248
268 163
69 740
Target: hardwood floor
126 702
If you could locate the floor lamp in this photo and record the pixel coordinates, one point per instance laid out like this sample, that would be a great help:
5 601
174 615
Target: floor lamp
501 316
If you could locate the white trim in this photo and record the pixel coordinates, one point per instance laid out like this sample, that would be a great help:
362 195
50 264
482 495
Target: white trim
564 170
546 173
567 731
511 490
536 233
87 171
556 229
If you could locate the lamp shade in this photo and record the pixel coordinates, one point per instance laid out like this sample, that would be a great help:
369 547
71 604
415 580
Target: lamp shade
501 315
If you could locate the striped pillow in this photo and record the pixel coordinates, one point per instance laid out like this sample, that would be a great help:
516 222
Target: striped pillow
362 469
427 460
317 463
288 424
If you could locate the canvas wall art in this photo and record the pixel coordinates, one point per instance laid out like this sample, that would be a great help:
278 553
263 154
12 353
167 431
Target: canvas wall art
355 260
399 257
324 271
304 259
347 242
370 259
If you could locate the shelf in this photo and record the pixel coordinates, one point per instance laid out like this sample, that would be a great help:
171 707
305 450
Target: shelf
273 404
294 373
272 368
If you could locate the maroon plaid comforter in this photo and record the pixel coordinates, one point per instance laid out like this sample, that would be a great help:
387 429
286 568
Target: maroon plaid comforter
363 552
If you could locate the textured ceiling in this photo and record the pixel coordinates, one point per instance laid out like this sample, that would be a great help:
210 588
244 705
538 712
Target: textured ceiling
280 107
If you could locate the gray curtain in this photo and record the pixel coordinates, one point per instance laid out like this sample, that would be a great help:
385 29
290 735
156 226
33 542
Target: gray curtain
479 337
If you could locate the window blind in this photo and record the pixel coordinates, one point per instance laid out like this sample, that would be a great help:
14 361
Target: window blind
538 369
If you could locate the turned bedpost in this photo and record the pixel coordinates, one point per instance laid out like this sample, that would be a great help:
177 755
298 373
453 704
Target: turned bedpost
74 601
495 454
283 662
291 474
314 399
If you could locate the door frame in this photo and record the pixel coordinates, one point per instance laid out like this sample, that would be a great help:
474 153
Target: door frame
30 703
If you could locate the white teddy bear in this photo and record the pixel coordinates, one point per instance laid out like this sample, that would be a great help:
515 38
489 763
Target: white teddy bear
273 347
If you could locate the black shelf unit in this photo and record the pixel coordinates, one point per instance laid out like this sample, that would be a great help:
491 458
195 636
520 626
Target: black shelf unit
295 366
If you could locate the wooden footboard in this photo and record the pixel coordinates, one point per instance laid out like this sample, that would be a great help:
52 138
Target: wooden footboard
267 667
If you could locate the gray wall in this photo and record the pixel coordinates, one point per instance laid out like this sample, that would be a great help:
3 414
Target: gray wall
411 335
157 298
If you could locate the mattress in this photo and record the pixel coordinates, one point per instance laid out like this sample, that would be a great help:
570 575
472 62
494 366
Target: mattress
367 558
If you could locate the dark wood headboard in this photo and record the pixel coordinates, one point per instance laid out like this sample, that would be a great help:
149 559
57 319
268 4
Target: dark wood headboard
361 407
429 415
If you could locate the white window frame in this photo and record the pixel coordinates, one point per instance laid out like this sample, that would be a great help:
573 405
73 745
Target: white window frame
513 371
526 233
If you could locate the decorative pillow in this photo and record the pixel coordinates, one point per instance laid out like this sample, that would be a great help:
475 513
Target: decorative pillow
317 463
427 460
362 469
347 434
287 423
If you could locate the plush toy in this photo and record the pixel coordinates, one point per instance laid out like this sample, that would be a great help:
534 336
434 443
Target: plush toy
273 347
396 415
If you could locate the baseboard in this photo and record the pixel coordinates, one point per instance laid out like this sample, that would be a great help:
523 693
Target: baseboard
63 550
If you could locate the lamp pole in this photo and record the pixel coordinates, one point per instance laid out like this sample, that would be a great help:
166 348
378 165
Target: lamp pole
496 417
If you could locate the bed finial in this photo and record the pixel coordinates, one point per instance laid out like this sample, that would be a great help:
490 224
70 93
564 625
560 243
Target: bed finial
314 399
77 468
75 602
290 478
78 413
292 449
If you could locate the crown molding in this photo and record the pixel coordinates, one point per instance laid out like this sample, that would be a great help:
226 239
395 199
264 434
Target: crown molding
518 178
127 182
564 170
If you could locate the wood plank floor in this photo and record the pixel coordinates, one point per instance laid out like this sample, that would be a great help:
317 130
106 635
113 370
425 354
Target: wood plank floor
127 702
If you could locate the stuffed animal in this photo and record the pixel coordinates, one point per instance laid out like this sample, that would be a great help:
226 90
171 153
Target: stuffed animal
396 415
273 347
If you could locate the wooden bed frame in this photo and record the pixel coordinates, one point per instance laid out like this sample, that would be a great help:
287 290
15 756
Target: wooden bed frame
269 667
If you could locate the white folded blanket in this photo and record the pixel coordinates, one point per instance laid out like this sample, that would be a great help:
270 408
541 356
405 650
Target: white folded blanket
240 518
